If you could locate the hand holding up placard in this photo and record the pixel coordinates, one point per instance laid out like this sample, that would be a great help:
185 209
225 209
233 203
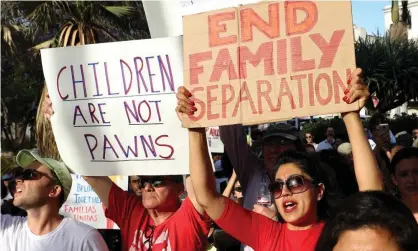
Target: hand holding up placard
268 61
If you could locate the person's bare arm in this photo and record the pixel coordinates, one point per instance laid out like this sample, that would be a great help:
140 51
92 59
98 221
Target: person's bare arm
101 186
192 196
230 186
365 166
201 172
202 176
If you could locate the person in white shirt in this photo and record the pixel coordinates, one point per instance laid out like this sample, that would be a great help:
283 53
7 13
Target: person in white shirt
41 188
328 142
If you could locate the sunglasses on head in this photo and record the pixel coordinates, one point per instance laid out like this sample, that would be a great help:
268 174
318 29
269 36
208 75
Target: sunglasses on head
295 184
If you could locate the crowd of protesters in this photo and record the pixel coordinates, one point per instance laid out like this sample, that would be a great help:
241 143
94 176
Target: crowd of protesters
281 191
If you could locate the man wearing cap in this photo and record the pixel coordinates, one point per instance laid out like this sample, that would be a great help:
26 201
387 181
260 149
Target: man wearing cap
41 188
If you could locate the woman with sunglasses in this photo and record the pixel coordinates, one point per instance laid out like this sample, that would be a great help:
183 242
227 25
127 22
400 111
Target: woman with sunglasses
298 189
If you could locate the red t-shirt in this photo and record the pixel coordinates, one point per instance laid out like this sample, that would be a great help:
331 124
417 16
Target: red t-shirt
185 230
262 233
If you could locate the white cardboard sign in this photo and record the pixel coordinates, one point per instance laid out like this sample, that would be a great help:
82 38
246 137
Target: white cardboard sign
114 107
84 205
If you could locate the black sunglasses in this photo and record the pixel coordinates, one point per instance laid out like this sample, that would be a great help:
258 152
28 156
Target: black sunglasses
295 184
32 174
155 181
238 189
28 174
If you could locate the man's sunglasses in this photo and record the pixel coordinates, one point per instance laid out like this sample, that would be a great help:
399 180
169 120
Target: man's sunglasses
32 174
238 189
155 181
28 174
295 184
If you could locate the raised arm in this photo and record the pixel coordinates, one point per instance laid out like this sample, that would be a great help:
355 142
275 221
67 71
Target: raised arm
201 172
365 166
230 186
101 186
234 139
192 196
202 176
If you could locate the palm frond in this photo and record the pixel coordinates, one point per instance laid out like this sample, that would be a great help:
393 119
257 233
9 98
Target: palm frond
390 68
44 45
119 11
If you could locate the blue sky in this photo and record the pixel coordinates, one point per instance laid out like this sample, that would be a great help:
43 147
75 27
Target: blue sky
369 15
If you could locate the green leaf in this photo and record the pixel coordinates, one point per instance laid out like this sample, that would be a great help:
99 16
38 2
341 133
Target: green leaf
120 11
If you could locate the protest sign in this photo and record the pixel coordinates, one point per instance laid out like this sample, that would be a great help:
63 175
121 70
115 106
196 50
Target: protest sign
215 144
84 205
114 107
268 61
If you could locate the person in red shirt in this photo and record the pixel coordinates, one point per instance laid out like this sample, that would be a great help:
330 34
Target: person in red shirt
298 188
158 221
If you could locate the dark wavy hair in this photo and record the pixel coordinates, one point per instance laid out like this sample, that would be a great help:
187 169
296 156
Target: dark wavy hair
371 209
310 164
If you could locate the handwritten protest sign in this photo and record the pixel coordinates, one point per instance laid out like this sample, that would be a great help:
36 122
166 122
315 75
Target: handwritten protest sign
268 61
215 144
84 205
114 107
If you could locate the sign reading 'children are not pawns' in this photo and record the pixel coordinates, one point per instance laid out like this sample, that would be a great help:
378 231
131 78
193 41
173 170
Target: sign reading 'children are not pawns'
269 61
114 107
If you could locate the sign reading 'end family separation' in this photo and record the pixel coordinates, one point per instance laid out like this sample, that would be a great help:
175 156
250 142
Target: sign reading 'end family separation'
269 61
114 107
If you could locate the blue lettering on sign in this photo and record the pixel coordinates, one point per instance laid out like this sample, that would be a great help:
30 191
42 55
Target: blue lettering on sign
86 199
84 188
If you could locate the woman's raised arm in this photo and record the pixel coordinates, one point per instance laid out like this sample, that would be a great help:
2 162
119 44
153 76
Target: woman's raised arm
365 166
201 172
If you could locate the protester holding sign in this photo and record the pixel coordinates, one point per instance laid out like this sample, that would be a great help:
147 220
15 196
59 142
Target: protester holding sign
158 222
298 188
41 188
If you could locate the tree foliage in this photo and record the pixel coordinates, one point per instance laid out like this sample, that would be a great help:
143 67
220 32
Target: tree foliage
390 68
27 27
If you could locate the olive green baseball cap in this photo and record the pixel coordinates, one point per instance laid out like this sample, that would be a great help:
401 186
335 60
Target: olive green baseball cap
25 157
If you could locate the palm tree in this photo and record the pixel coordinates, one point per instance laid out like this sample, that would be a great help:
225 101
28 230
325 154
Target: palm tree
11 29
390 68
62 23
